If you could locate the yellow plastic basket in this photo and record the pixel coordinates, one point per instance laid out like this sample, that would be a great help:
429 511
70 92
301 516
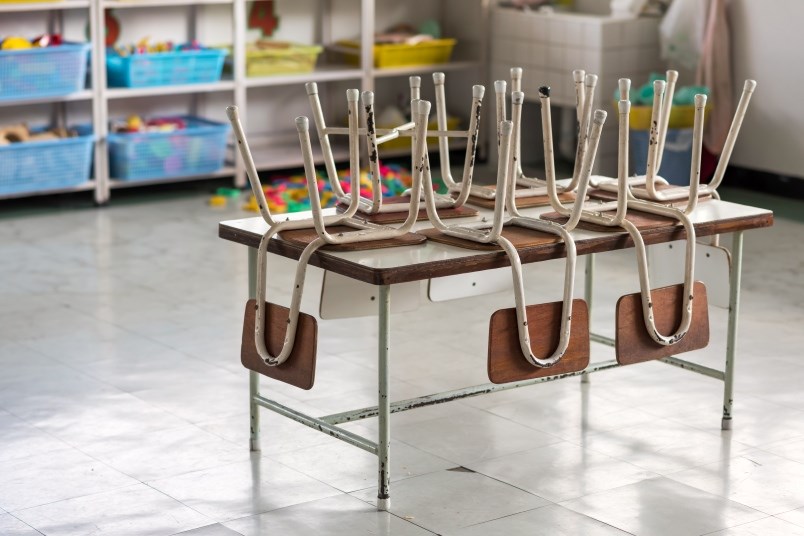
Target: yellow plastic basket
680 116
272 61
401 55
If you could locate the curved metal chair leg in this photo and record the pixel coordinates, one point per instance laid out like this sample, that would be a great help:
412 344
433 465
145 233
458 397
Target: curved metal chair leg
521 312
625 201
644 281
295 303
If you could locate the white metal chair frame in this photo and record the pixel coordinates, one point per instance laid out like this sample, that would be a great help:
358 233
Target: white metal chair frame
626 200
376 136
534 187
660 119
365 231
491 232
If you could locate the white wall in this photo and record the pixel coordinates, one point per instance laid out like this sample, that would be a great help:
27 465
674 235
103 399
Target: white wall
767 41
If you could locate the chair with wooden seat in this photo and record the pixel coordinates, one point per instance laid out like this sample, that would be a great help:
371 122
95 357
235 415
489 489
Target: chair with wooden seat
511 336
376 205
648 186
269 323
639 335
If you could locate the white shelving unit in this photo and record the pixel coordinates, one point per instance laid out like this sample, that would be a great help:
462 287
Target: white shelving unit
54 13
274 142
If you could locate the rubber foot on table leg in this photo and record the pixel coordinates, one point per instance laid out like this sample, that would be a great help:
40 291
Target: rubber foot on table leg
384 504
255 445
725 424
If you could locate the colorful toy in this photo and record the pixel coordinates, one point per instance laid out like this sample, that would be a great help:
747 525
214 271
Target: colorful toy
217 201
143 46
289 194
135 123
228 192
15 43
262 16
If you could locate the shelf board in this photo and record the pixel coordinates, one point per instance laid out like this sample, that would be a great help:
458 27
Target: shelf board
131 92
118 4
424 69
83 187
227 171
325 73
85 94
22 7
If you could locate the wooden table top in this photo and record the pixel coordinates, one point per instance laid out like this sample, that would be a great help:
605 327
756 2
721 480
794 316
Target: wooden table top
431 259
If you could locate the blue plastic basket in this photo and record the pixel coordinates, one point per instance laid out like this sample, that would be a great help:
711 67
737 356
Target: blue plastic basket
196 150
45 165
164 68
677 155
43 72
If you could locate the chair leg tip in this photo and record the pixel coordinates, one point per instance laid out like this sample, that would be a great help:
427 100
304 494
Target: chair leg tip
254 445
725 424
384 504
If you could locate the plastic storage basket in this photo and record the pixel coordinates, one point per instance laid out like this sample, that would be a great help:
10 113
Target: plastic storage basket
43 72
680 116
271 61
196 150
399 55
164 68
677 154
45 165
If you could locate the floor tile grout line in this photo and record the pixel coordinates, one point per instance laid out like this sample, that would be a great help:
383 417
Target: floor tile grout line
25 523
116 488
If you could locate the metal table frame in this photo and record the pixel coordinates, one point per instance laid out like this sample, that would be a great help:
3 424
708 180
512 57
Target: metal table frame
381 448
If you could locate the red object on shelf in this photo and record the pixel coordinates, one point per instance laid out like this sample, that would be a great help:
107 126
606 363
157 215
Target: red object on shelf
263 16
112 28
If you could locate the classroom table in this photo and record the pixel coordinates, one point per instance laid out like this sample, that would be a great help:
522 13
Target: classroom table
386 267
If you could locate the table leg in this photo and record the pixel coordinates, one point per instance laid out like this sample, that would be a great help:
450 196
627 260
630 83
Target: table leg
588 292
731 337
384 403
253 377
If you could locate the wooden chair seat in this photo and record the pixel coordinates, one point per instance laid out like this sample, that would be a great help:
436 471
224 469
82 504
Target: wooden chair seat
506 362
632 342
299 369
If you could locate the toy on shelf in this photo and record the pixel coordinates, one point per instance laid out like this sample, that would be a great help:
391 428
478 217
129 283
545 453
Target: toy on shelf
135 123
15 42
20 133
144 46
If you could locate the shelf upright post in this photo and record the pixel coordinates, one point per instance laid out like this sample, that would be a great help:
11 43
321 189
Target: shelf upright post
367 13
485 71
239 73
100 104
192 35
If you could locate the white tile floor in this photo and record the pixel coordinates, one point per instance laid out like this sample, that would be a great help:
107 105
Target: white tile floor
123 406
